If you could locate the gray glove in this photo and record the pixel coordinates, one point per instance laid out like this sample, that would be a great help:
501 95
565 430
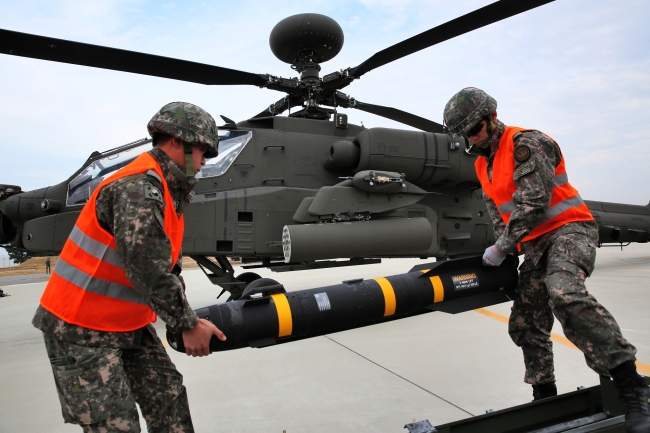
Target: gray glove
493 256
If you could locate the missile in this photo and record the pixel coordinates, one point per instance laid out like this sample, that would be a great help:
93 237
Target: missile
266 314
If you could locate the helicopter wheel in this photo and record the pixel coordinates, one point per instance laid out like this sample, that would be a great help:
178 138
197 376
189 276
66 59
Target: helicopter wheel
248 277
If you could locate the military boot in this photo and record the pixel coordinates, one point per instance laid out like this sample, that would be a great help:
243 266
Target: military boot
635 396
544 390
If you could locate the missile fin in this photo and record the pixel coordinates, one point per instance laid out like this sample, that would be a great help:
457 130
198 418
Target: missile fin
457 265
453 265
424 267
256 301
263 286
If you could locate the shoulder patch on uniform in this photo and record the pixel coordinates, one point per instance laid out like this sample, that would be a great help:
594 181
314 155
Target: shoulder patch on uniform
153 193
153 174
520 133
525 169
522 153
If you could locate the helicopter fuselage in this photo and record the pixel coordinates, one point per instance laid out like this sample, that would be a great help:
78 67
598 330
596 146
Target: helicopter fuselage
290 172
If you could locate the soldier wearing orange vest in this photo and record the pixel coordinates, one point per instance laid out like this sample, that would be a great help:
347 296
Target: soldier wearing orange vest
118 271
534 209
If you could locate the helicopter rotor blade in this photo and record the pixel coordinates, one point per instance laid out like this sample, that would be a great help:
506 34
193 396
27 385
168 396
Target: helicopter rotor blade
77 53
400 116
482 17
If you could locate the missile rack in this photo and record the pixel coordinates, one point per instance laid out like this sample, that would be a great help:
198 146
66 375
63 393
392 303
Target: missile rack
594 409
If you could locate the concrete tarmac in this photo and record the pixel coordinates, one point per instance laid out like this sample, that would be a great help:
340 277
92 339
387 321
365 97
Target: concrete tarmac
376 379
23 279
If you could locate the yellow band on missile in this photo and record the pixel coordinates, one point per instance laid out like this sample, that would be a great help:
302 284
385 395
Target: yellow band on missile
285 323
389 296
438 290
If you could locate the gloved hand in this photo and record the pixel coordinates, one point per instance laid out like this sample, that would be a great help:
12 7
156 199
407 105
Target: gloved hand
493 256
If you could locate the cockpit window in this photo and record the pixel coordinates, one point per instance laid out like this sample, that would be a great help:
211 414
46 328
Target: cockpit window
231 143
83 185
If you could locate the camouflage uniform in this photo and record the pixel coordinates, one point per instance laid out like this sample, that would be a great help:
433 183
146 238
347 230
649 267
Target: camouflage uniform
101 375
552 276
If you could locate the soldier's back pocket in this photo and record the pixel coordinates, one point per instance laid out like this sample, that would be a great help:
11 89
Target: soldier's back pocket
92 386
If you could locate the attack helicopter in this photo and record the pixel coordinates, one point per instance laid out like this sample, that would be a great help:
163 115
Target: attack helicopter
298 191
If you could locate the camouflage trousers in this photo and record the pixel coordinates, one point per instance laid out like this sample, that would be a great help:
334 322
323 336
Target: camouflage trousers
556 286
98 387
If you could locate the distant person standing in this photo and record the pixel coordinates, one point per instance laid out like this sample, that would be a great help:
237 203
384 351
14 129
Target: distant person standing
47 266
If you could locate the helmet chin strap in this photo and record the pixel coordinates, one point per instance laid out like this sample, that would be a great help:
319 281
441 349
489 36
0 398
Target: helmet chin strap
189 161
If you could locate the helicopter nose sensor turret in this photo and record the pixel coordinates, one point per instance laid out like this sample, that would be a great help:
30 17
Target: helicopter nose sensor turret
305 41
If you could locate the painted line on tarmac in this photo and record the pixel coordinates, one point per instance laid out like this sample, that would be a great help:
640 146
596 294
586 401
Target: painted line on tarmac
21 284
557 338
401 377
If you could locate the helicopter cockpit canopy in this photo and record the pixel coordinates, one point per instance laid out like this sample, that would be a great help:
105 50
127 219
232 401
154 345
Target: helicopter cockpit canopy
231 143
81 187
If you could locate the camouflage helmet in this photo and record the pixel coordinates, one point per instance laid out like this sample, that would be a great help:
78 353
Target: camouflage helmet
188 123
466 109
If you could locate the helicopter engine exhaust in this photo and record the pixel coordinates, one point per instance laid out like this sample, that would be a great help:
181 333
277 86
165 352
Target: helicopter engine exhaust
426 159
307 242
275 316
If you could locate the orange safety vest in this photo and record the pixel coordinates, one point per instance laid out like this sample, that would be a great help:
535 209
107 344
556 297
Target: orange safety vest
566 204
89 287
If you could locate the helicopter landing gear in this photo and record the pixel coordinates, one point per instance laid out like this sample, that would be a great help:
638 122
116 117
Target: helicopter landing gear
221 273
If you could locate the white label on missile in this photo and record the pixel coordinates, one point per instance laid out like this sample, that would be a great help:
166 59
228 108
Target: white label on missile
323 301
465 281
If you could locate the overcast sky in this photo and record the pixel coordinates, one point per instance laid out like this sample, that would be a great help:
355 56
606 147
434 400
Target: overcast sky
575 69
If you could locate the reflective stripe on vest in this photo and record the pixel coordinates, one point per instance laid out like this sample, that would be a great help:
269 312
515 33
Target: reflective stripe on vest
89 287
566 204
95 285
561 179
94 248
